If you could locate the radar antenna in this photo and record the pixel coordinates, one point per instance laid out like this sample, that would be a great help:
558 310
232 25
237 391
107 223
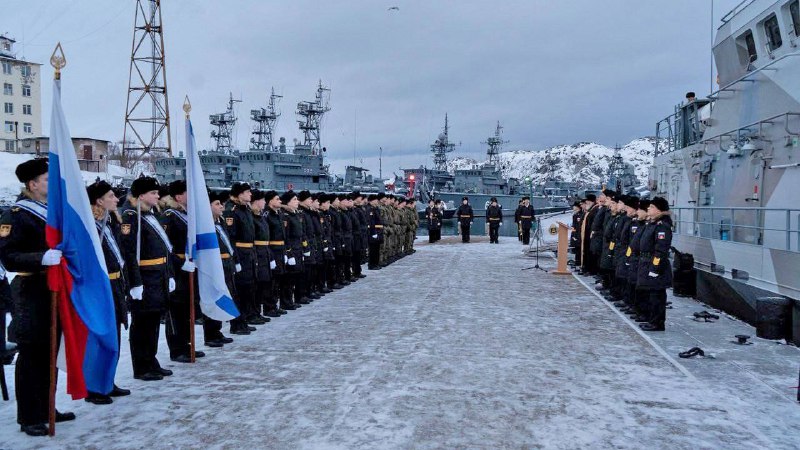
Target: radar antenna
310 118
265 120
495 144
225 123
441 147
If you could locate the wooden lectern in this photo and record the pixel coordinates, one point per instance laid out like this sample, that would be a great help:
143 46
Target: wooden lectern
563 245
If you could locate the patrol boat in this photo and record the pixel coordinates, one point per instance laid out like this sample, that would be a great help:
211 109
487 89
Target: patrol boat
479 183
729 164
265 165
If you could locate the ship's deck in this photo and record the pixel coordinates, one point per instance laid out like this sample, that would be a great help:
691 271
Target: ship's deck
454 347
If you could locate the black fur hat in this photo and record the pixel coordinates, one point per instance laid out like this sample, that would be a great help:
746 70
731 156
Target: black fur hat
31 169
177 187
142 185
97 190
661 203
238 188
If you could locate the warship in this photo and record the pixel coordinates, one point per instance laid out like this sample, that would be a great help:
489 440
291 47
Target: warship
265 165
729 166
479 183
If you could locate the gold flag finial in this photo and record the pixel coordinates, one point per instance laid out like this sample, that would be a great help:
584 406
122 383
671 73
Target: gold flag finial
187 106
58 60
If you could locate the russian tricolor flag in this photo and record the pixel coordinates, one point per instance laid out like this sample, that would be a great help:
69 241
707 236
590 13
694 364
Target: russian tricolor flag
85 301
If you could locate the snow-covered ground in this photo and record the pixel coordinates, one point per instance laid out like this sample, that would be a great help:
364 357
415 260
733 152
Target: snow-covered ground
10 185
454 347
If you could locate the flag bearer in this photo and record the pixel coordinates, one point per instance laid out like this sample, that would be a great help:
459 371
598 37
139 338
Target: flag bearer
655 270
146 249
23 249
104 209
175 223
212 329
494 215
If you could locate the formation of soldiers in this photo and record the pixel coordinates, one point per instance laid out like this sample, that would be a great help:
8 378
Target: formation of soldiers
624 242
279 251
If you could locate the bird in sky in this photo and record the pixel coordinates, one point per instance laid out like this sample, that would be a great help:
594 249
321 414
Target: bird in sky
394 8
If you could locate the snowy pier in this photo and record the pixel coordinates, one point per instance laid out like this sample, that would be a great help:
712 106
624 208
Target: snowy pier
454 347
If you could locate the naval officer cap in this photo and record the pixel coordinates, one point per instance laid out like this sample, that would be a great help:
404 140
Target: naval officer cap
29 170
287 197
177 187
97 190
143 185
238 188
661 203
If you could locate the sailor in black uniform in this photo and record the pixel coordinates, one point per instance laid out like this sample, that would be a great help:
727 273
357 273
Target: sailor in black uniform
107 220
277 249
494 217
526 217
146 249
241 230
375 231
655 270
265 264
294 245
465 215
24 250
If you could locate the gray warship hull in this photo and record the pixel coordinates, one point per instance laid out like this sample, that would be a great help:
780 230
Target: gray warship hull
728 164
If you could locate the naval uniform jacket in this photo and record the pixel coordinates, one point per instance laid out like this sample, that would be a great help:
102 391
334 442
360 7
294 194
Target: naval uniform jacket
242 231
153 268
465 215
277 243
108 230
607 257
22 246
363 226
228 254
654 246
294 239
347 232
313 236
335 218
526 216
375 228
575 234
176 223
326 223
494 215
434 216
596 234
261 246
631 262
622 239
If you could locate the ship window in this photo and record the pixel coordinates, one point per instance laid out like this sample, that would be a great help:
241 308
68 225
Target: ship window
794 11
746 46
773 32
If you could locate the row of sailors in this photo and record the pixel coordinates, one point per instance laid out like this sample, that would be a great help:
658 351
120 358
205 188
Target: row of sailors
278 252
625 242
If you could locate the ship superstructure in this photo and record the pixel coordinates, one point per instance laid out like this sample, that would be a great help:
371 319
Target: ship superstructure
729 165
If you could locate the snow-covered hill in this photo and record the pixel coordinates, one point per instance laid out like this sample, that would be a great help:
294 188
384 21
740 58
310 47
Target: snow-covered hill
584 162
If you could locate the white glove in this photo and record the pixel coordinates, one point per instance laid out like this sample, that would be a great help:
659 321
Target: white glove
285 259
51 257
171 284
273 265
307 254
652 274
374 236
325 249
501 224
188 266
292 261
137 292
238 268
470 222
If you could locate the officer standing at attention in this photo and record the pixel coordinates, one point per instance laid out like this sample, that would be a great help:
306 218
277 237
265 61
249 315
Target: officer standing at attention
212 329
516 220
465 216
265 264
494 216
24 250
375 231
146 249
434 224
277 249
526 216
241 230
655 270
104 210
413 217
175 223
575 233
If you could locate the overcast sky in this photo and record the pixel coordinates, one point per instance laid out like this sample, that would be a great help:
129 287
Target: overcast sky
552 72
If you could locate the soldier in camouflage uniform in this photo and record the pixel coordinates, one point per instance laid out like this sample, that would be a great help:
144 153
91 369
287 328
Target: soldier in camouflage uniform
413 216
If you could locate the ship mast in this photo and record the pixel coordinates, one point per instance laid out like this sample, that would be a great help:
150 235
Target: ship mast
441 147
265 120
224 122
495 144
310 118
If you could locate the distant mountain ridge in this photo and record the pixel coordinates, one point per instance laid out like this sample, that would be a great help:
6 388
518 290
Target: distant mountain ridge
583 162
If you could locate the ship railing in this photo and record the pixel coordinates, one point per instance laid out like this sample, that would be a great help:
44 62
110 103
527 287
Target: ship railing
736 10
754 130
776 228
747 77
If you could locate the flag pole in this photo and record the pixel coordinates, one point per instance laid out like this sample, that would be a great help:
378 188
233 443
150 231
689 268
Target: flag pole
187 107
58 61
